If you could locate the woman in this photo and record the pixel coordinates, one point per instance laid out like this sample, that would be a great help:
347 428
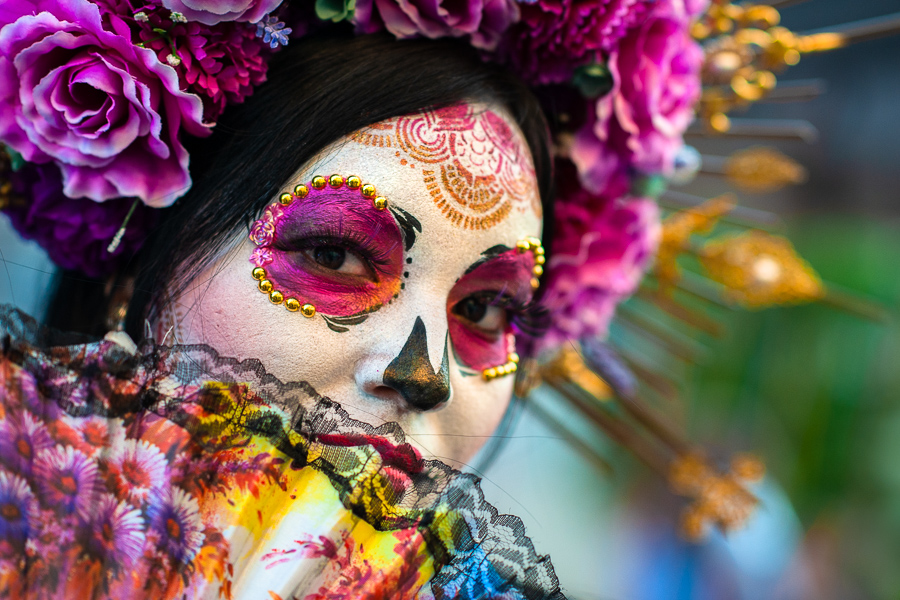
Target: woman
335 309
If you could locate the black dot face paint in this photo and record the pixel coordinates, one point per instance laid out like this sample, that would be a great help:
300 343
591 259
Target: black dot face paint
412 375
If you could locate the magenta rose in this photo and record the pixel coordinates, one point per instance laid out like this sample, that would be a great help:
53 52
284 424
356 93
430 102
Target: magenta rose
75 91
554 37
483 21
222 63
210 12
600 251
639 125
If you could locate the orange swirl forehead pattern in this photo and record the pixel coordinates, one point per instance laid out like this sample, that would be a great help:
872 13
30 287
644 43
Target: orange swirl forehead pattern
473 164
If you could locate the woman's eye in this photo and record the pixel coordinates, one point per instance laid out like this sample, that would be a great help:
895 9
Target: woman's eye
336 258
482 312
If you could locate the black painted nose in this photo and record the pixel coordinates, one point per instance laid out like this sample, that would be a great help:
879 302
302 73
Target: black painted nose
412 375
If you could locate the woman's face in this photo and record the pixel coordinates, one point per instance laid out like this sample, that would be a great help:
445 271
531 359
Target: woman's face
413 301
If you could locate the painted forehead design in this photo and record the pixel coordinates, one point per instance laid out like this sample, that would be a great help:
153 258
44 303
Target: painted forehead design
475 167
338 213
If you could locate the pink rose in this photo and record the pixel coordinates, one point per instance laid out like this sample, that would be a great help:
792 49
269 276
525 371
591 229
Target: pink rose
210 12
639 125
484 21
600 251
75 91
556 36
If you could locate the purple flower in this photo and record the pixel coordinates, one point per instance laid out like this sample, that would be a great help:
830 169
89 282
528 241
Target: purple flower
176 519
639 125
220 63
138 470
115 533
555 36
600 251
76 91
210 12
484 21
68 480
22 438
75 233
18 509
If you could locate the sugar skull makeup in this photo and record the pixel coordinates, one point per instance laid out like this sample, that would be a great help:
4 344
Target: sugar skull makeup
331 246
381 297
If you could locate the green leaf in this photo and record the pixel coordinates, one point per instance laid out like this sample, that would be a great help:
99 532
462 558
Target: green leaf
335 10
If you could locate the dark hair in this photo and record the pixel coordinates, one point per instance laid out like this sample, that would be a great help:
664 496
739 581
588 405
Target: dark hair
318 90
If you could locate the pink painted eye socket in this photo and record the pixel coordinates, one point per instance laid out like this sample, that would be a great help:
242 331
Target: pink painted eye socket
332 249
483 302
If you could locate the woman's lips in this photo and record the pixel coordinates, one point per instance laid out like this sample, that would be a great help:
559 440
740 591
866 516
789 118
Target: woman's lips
403 457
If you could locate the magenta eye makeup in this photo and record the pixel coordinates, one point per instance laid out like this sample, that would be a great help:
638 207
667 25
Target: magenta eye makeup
330 247
483 303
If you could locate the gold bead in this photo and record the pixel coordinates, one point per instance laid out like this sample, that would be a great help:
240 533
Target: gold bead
265 286
523 245
276 297
512 367
318 182
540 259
538 270
308 310
380 202
301 191
258 273
535 242
490 373
535 283
292 304
353 182
368 190
335 181
539 250
513 357
285 198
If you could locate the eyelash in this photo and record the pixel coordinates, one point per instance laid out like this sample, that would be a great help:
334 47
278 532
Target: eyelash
351 241
528 318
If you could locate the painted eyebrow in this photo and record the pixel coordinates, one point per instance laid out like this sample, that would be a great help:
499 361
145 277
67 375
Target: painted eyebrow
409 225
487 256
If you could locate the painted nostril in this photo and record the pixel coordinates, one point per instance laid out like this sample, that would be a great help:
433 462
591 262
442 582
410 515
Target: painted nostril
412 375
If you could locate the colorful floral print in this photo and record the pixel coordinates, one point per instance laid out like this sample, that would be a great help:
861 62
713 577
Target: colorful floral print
176 473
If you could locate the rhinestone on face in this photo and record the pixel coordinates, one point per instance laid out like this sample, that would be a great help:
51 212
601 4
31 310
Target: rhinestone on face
318 182
335 181
292 304
285 198
368 190
301 191
380 202
265 286
353 182
308 310
535 283
538 270
258 273
276 297
523 245
513 357
490 373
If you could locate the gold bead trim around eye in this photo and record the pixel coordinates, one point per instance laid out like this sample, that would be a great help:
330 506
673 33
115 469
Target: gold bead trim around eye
301 191
533 245
508 368
276 297
319 182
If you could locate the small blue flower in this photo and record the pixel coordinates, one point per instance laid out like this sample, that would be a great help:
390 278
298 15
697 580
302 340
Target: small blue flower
273 31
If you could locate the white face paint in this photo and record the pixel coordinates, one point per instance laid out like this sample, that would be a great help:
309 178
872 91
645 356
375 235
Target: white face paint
464 176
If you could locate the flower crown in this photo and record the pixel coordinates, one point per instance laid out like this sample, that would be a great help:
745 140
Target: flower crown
96 97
